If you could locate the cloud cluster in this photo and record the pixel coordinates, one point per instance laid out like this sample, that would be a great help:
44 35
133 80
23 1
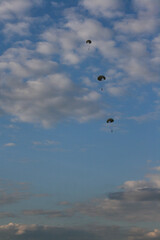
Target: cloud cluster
138 201
49 100
33 69
105 8
10 9
41 232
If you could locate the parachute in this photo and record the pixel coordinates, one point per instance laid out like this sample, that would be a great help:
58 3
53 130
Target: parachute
110 120
101 77
89 41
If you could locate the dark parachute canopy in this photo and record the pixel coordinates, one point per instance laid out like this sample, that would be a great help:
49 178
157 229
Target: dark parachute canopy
89 41
110 120
101 77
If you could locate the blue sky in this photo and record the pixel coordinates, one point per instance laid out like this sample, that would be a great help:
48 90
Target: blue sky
65 173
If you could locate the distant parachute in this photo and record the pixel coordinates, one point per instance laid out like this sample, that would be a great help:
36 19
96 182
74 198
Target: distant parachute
88 41
110 120
101 78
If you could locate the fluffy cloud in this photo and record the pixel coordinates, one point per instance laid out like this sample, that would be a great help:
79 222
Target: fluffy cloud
50 99
105 8
11 8
20 28
27 67
32 91
70 40
137 26
147 6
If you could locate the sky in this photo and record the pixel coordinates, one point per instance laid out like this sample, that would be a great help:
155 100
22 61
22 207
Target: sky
65 173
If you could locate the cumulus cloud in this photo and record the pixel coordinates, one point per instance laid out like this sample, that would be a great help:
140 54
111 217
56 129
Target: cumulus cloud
70 40
15 8
138 201
106 8
49 100
20 28
147 6
137 26
27 67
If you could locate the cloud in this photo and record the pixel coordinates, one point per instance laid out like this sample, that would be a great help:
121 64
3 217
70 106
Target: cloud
43 232
27 67
147 194
147 6
69 41
15 8
48 213
137 26
20 28
46 143
13 197
155 234
94 232
7 215
105 8
49 100
138 201
9 144
13 192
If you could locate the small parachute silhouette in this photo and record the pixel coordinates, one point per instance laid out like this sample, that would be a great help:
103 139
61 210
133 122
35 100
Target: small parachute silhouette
101 78
89 41
110 120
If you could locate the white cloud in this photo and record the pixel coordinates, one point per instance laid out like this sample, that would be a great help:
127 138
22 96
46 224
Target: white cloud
19 228
137 26
104 8
148 7
135 185
116 91
20 28
50 99
45 48
15 8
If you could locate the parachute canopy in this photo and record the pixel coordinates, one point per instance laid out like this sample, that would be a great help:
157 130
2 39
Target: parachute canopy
101 77
89 41
110 120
